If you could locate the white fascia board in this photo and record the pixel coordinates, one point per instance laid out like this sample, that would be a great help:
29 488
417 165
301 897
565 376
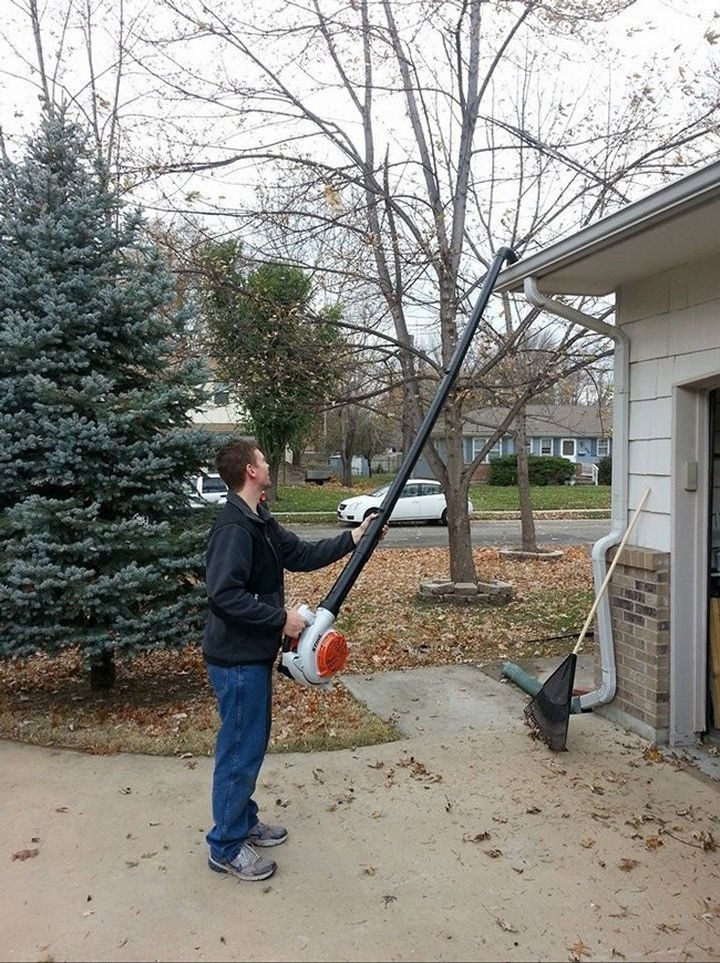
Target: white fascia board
694 199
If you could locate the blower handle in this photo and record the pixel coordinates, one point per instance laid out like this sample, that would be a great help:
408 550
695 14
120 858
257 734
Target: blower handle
354 566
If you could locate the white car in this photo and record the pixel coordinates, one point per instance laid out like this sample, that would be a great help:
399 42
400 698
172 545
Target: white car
208 488
421 500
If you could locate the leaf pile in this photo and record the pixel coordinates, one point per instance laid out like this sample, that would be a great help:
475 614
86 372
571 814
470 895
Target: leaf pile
162 703
387 628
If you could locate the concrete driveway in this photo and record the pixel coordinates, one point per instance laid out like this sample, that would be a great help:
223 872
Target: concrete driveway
465 840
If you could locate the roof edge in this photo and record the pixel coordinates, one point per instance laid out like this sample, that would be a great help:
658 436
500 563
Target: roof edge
635 218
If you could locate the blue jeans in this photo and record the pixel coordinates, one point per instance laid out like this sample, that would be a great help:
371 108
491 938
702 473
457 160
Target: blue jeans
244 700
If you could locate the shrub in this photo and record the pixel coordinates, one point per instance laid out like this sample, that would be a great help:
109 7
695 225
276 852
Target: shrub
605 470
542 470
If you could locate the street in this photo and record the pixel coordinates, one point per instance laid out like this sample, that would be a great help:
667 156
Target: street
503 533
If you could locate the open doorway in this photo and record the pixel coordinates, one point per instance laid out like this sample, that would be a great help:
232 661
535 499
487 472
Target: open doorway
713 660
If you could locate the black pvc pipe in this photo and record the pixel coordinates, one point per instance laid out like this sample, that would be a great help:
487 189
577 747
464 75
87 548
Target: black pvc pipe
355 564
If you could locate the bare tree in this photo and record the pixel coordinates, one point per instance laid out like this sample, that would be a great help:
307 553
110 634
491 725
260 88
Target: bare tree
482 154
400 142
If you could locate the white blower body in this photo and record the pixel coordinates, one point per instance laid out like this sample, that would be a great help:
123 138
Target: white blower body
318 653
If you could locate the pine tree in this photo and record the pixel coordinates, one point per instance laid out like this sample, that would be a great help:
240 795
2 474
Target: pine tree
95 441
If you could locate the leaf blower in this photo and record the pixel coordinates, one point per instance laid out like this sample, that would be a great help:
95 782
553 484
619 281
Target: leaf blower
320 651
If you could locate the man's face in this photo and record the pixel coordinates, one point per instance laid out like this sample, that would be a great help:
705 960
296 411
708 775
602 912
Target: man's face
262 470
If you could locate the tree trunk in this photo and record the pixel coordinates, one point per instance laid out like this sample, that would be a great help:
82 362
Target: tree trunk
462 563
347 438
275 464
527 522
102 673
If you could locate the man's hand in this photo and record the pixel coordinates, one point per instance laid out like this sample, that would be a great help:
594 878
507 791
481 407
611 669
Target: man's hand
361 530
294 623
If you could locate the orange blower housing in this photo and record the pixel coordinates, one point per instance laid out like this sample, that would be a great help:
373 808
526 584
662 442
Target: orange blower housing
318 654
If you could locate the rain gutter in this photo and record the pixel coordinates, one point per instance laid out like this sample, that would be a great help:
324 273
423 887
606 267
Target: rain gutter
606 690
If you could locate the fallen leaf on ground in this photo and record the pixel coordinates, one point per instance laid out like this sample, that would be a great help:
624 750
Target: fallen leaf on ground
578 950
652 754
476 838
707 841
418 770
24 854
627 864
44 687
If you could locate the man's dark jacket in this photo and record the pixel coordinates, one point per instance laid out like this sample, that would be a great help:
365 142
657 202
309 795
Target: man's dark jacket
246 558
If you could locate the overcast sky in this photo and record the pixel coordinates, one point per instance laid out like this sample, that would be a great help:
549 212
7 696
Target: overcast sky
684 31
649 26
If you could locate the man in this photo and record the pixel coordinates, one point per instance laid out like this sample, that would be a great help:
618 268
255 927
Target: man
247 554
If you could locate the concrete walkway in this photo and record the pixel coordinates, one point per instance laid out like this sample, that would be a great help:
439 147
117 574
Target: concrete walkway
465 840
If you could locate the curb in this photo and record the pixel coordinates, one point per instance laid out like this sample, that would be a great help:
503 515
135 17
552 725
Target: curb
478 516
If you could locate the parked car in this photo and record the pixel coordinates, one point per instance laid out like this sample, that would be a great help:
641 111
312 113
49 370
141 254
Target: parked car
421 500
208 488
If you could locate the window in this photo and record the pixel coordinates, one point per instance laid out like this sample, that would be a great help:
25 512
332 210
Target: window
410 491
213 483
479 444
603 447
567 447
546 446
427 489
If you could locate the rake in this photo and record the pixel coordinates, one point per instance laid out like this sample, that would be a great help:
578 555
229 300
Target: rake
549 711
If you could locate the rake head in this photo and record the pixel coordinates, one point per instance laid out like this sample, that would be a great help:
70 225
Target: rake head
549 710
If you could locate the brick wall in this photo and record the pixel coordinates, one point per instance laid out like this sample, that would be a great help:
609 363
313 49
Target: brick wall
639 595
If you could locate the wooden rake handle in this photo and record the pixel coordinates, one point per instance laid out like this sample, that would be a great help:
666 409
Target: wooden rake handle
609 572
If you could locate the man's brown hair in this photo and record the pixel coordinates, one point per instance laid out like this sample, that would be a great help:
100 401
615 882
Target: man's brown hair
232 461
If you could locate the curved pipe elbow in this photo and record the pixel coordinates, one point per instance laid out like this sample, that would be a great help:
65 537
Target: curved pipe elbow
608 684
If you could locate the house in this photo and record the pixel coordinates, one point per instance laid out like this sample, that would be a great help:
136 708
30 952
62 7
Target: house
659 622
576 432
218 414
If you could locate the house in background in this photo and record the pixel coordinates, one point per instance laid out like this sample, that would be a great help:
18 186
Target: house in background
218 414
658 628
577 432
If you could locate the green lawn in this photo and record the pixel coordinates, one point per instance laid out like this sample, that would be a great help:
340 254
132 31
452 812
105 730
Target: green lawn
492 498
485 498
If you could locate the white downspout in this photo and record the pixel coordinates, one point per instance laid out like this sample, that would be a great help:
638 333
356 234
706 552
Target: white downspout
606 691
